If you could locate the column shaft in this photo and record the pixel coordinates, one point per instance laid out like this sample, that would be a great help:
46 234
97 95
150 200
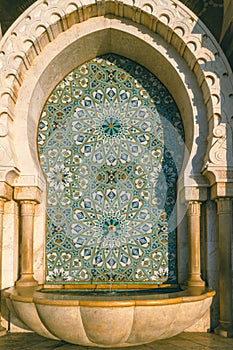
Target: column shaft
224 206
27 228
2 329
194 213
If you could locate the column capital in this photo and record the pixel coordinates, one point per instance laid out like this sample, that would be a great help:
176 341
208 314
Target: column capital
27 194
224 205
27 208
194 208
27 202
2 202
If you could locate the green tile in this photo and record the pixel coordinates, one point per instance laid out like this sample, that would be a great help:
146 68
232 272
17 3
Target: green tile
110 144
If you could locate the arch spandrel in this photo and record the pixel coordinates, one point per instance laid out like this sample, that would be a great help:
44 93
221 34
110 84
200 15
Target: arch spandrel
44 21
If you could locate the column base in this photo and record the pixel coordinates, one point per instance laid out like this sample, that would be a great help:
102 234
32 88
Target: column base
2 331
196 283
224 331
26 281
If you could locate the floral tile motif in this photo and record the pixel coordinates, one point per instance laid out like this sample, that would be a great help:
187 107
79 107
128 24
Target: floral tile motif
110 143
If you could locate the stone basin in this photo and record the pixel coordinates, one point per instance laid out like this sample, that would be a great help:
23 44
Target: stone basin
108 319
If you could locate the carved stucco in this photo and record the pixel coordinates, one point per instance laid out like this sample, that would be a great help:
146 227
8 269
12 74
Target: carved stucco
45 20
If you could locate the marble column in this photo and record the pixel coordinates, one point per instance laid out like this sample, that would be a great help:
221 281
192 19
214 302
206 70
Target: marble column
2 201
194 214
5 195
224 208
27 211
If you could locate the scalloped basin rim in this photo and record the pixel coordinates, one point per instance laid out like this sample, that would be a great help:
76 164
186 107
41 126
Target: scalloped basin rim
108 321
37 296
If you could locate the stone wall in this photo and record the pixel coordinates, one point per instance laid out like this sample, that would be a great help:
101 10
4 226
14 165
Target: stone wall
169 41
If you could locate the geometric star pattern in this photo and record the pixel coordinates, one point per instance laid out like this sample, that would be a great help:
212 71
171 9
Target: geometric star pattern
110 143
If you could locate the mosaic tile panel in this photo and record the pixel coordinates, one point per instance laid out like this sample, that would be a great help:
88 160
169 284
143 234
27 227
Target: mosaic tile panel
110 142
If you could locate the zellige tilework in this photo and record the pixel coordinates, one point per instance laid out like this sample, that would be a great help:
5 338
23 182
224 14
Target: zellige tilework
110 143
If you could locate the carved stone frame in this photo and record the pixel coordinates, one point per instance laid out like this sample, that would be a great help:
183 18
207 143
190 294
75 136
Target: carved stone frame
162 35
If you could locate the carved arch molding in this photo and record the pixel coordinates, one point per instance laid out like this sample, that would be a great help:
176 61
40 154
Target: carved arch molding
38 31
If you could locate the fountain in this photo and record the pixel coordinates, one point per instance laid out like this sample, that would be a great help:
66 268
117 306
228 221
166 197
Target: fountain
108 320
111 145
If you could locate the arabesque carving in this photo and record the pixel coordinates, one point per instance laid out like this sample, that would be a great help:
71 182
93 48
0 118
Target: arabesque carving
45 20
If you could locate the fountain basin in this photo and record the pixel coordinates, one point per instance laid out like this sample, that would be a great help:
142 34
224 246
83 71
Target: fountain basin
108 319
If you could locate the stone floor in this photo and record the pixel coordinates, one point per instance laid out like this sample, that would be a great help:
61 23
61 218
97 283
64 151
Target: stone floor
186 341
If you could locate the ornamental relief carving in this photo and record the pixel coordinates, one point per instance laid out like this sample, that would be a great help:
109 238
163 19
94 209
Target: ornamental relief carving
173 21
